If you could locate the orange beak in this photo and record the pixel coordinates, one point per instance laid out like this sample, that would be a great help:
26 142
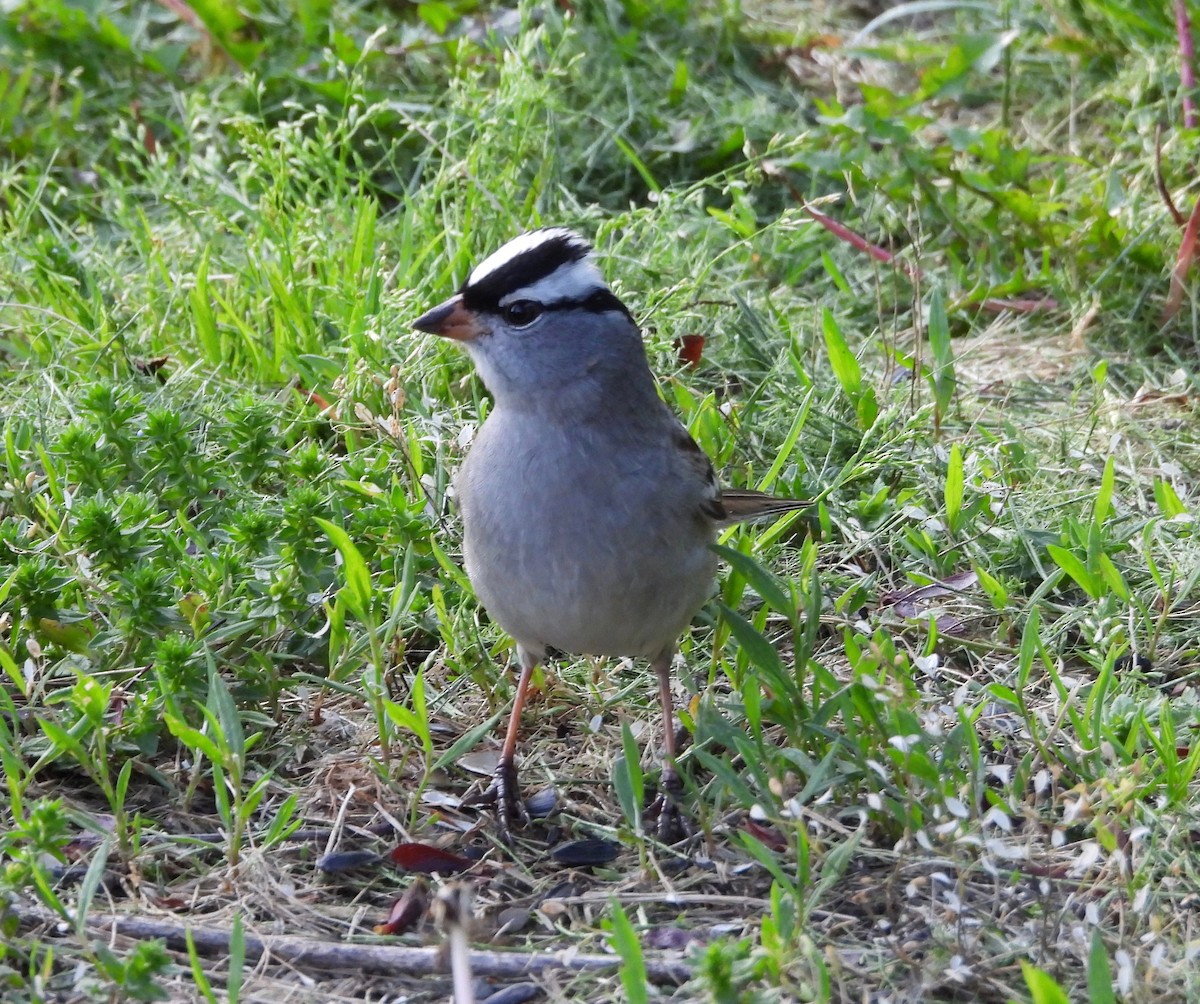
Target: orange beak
451 320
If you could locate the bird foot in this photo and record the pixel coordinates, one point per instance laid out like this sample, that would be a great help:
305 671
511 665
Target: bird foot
504 795
672 823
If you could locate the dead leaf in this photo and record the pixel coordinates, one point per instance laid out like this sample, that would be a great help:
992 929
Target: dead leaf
428 859
407 911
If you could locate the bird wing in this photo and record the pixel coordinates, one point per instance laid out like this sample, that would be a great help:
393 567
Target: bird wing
698 464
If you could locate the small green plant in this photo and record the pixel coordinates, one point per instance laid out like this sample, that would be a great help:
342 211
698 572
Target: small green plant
134 976
848 371
941 366
1095 572
89 740
624 940
628 781
223 743
39 836
724 970
355 597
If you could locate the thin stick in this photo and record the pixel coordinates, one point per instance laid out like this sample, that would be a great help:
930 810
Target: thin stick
323 957
994 305
452 913
1187 63
1160 182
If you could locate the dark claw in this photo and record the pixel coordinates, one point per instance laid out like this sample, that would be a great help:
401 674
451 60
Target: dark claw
509 804
673 824
504 794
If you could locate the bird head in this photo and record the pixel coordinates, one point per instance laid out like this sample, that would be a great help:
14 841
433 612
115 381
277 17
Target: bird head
538 320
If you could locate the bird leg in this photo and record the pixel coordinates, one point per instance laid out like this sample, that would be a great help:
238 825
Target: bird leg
673 826
504 792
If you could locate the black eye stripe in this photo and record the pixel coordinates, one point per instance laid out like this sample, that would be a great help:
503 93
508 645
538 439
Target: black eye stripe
598 302
605 299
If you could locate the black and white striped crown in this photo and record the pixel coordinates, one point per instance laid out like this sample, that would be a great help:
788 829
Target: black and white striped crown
553 266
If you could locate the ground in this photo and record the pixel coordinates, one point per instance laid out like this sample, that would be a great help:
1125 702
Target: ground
930 267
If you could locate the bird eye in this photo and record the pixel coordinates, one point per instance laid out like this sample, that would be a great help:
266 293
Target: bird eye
522 312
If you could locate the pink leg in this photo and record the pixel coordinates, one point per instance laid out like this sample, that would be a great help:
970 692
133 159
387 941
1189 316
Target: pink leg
505 789
672 826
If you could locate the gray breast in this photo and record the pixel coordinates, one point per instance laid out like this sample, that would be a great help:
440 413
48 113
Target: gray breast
567 545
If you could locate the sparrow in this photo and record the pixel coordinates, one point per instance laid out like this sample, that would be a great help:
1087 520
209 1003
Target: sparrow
588 510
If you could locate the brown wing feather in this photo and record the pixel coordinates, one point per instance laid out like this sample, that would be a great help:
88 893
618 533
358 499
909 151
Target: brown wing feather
710 503
733 505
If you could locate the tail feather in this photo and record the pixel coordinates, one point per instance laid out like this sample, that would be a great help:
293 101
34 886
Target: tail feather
742 504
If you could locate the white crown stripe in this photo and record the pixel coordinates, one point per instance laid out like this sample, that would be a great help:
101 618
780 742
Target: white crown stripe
573 281
518 246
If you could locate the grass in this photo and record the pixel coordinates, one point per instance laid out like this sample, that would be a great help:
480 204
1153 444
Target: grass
942 731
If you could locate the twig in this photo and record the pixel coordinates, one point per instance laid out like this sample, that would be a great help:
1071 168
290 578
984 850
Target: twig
994 305
326 956
1021 305
861 243
1161 182
1187 63
1183 262
452 915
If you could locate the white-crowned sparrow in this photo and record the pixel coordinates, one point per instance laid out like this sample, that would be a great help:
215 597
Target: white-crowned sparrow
588 510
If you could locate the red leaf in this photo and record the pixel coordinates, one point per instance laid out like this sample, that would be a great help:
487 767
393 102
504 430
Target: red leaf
424 858
152 367
691 348
767 836
407 911
844 233
312 397
148 141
